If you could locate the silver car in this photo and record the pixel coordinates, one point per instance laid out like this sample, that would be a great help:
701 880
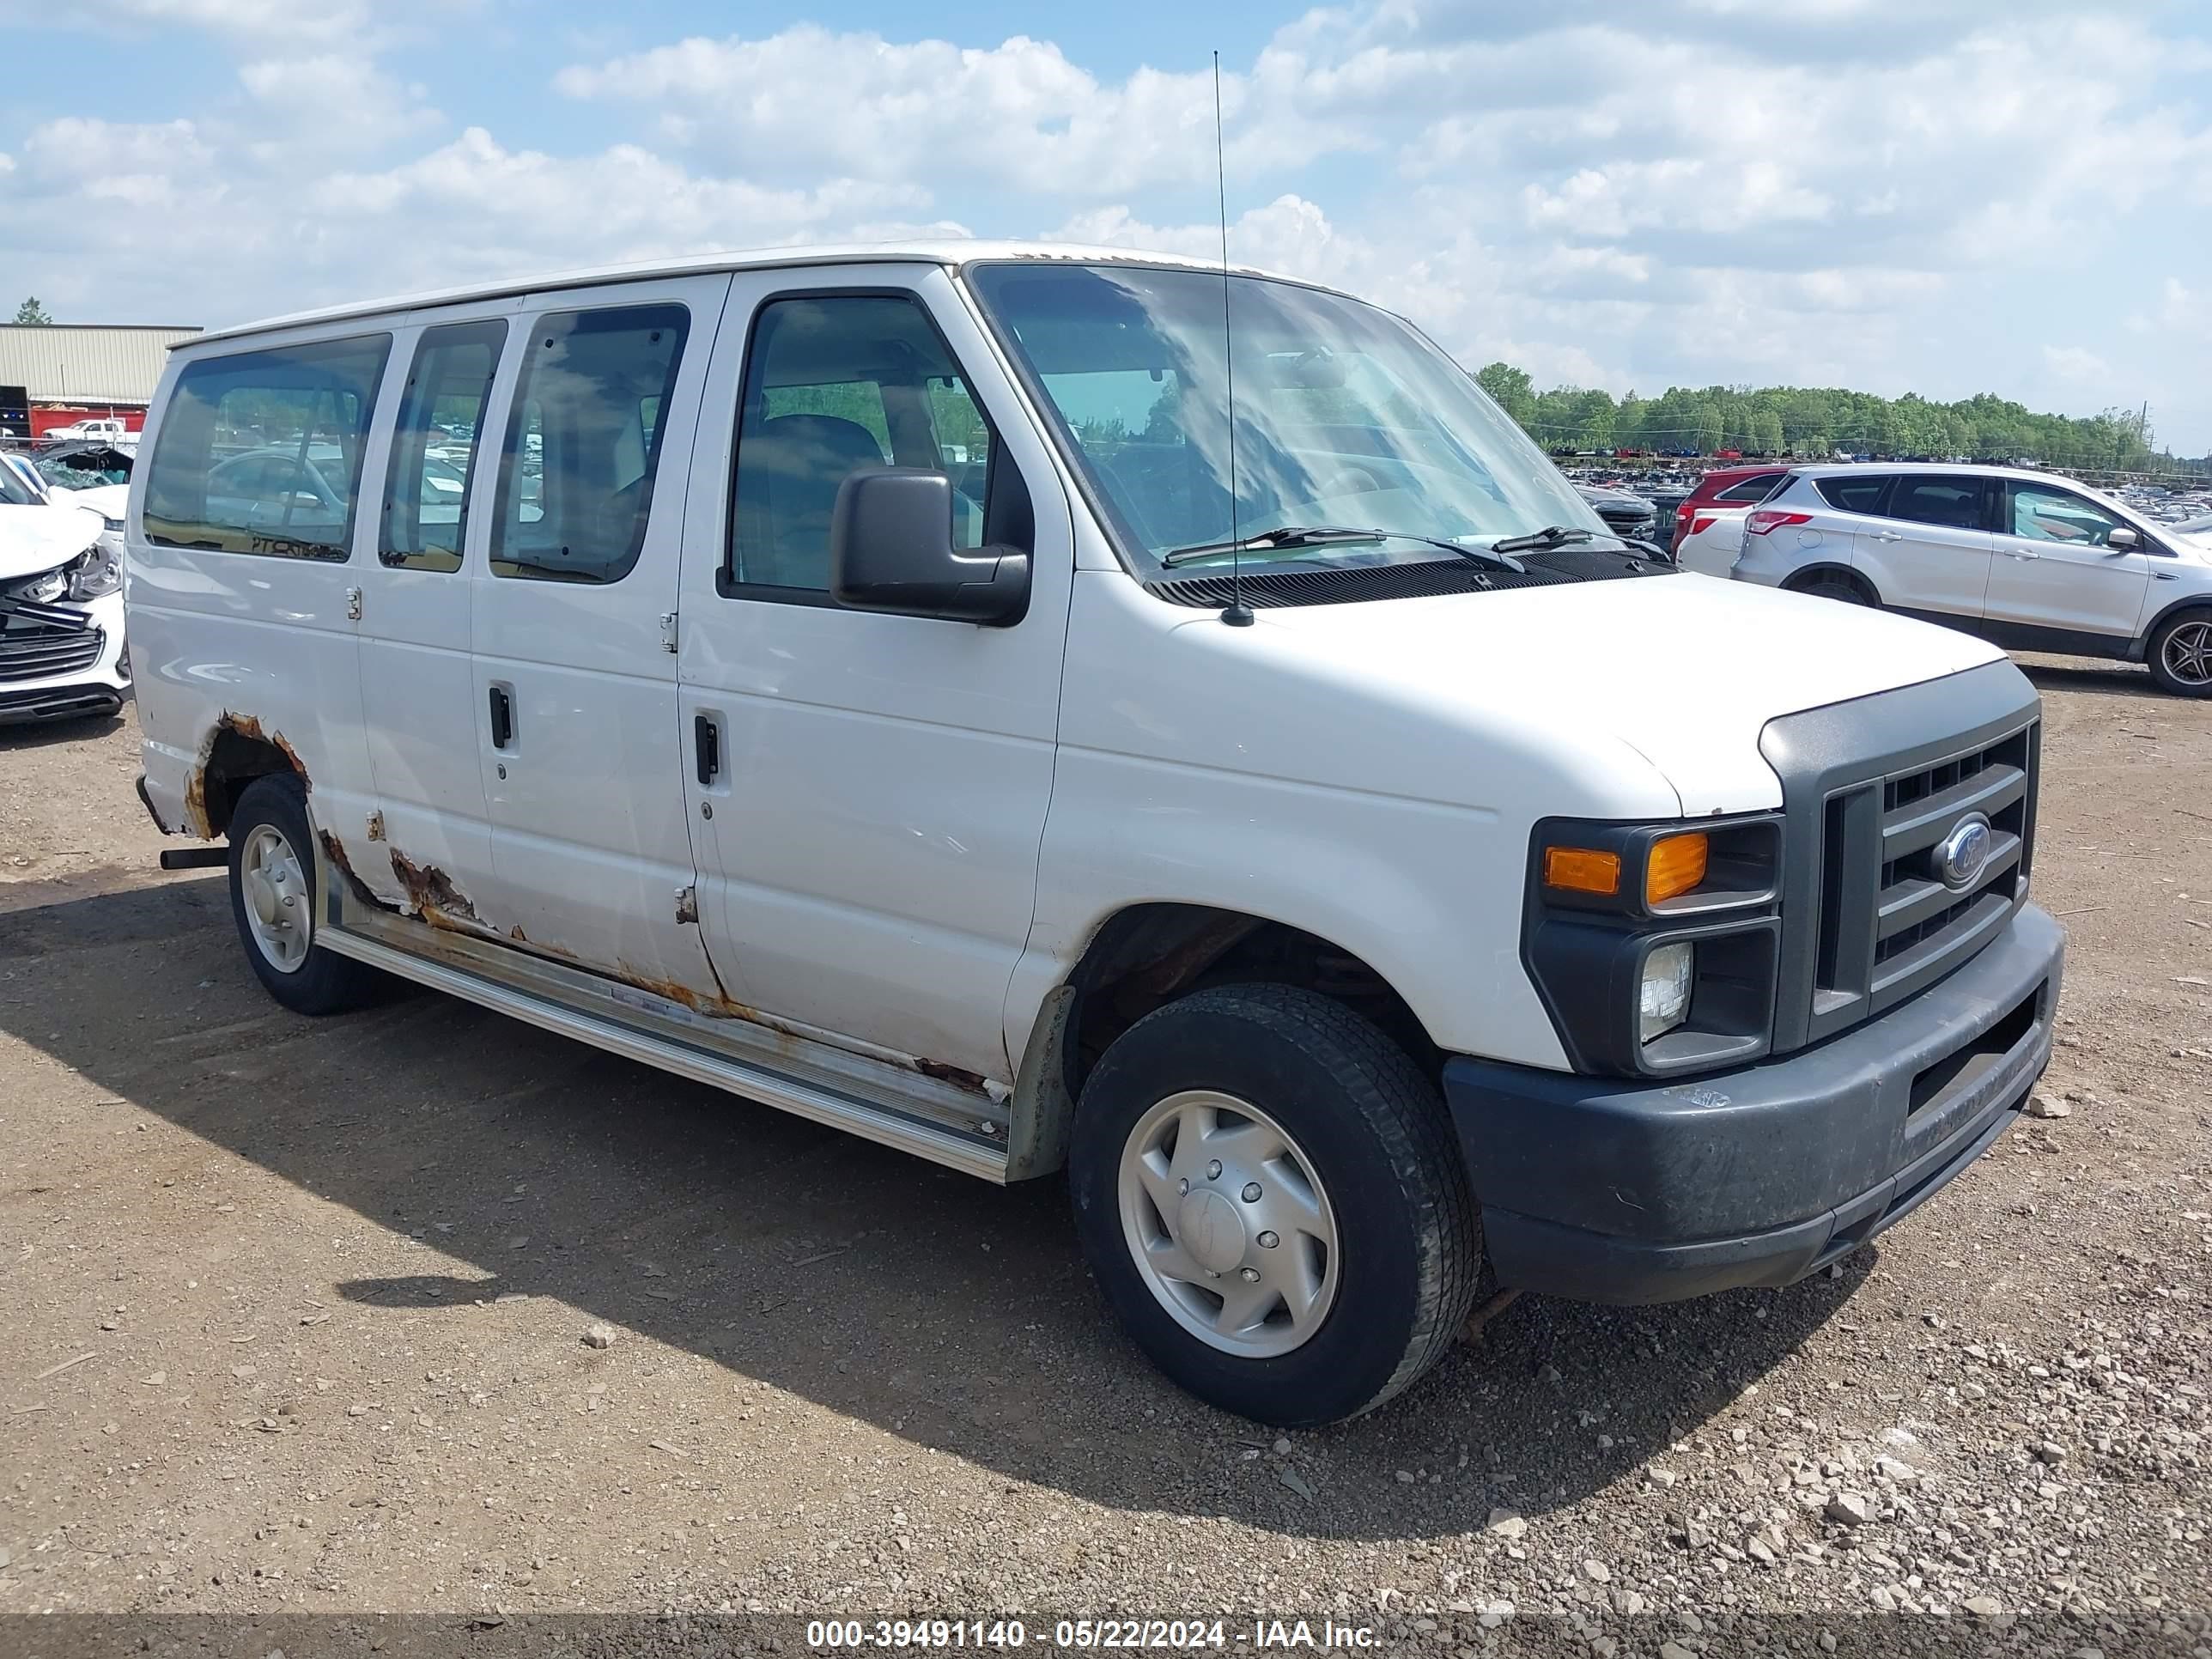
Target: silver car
2027 559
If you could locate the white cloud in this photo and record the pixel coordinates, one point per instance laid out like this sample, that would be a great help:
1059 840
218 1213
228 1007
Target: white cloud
1885 193
334 101
2075 363
1017 114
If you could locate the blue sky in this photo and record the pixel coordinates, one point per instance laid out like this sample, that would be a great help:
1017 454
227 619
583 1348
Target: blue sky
1895 195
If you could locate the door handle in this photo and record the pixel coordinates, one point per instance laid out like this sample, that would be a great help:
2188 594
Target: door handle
1888 535
502 718
2025 558
707 743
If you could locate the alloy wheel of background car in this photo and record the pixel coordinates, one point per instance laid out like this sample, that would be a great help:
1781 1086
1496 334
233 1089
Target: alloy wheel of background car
1228 1225
2185 656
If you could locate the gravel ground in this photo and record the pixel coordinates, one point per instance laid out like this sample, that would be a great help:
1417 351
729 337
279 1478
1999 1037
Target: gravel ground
299 1317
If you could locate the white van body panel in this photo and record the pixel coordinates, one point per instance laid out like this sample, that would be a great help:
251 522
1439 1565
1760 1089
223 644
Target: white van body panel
869 863
264 646
418 677
590 845
918 826
1389 741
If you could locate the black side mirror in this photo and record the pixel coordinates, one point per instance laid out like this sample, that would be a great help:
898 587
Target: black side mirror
890 548
2121 538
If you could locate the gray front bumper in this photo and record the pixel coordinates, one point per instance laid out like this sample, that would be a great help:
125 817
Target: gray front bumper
1615 1190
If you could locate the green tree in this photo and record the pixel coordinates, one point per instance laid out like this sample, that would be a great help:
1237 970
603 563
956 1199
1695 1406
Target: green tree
1767 433
1710 427
31 313
1511 388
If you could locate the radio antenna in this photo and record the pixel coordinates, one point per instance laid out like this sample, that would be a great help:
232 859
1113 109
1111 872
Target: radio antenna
1238 615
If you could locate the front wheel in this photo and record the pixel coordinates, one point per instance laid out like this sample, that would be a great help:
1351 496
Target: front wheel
272 898
1271 1198
2181 654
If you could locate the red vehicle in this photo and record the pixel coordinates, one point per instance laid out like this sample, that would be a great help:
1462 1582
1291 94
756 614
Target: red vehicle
1725 486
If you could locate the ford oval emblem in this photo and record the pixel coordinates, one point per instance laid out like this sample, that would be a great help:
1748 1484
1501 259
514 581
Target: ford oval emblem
1961 856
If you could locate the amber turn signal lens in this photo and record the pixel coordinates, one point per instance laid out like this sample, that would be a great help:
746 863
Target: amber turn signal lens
1578 869
1677 866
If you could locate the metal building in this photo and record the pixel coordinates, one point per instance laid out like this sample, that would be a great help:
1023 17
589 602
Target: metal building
54 373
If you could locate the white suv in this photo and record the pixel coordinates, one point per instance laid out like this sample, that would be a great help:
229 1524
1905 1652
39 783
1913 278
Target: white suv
2027 560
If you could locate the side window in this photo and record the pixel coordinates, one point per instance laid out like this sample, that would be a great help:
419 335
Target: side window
261 452
1955 503
583 444
1854 493
2040 514
434 446
834 384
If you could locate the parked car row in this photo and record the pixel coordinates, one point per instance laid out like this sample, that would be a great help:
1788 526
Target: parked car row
2025 559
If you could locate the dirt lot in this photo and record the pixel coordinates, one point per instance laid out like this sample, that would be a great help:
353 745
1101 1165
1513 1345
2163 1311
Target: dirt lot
294 1317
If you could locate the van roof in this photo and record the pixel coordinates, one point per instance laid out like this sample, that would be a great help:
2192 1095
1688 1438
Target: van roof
951 253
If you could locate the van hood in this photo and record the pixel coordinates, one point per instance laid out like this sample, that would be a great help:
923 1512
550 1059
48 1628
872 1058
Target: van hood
37 538
1682 668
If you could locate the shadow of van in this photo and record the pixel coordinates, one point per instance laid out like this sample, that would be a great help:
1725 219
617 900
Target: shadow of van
956 1314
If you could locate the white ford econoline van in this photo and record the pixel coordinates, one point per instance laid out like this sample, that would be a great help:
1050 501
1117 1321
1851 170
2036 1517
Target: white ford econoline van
887 684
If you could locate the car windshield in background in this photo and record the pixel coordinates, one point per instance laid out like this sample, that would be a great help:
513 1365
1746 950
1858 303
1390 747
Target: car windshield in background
1346 417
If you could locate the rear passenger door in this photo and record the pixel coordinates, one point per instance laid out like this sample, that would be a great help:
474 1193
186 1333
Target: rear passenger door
1930 550
2054 570
572 627
433 481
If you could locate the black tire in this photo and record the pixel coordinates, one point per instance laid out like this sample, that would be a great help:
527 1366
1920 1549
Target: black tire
1377 1138
324 983
2169 677
1830 585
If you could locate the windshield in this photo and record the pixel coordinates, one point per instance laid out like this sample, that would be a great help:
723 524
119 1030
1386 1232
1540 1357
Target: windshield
1346 417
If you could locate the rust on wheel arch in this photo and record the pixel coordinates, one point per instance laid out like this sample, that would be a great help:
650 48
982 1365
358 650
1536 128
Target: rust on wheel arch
249 728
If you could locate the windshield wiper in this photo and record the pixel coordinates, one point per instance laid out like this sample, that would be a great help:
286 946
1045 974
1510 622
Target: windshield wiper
1337 536
1550 536
1293 535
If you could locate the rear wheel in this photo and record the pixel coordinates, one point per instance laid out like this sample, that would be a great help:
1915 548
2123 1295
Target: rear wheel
272 898
1271 1198
1830 585
2181 653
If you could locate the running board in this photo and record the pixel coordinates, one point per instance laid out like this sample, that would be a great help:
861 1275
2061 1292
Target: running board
900 1114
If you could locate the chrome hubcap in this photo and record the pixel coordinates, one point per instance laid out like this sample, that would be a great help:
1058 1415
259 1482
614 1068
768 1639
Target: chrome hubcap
2188 653
277 911
1228 1223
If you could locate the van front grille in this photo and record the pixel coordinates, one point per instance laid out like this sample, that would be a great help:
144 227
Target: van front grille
1889 879
1884 939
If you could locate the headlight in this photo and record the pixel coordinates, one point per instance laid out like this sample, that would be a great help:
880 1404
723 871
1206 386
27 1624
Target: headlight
45 590
1662 999
1654 947
95 572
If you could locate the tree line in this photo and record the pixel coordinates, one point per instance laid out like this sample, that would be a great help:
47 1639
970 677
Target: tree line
1826 421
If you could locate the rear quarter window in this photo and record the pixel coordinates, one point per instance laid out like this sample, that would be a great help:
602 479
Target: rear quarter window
1752 490
260 451
1853 495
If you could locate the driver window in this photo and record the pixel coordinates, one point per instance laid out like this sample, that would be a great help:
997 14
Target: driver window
2040 514
835 384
